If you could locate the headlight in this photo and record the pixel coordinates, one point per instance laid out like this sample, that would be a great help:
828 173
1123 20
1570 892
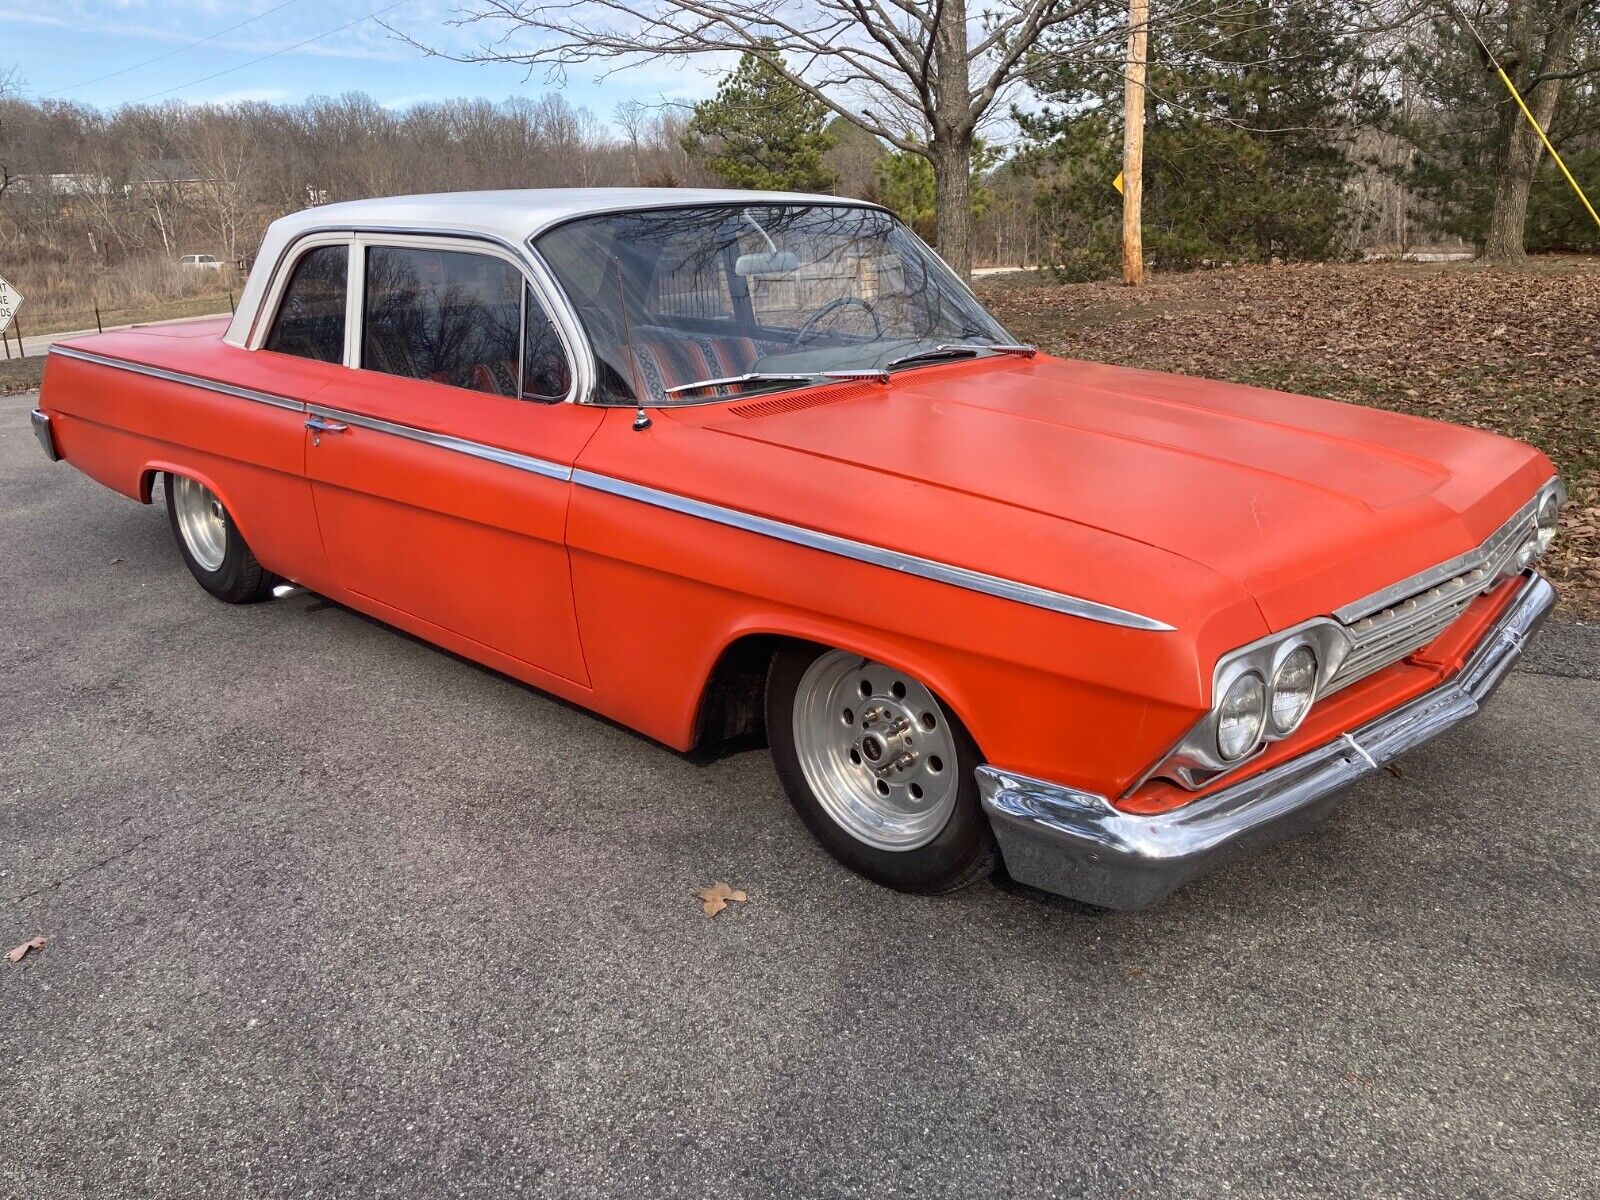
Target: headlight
1241 716
1547 520
1294 687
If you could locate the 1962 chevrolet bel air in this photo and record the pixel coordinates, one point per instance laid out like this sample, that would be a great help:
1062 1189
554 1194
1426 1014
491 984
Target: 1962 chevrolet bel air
732 466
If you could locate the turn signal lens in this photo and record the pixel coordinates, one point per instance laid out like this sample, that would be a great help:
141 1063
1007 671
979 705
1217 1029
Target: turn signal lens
1241 717
1294 687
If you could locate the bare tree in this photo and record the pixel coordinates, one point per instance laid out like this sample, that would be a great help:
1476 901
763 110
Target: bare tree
10 85
924 77
223 162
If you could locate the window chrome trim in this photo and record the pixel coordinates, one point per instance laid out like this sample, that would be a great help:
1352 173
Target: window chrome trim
909 564
532 268
444 441
199 381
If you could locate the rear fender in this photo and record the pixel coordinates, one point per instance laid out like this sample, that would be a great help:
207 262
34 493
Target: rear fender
164 466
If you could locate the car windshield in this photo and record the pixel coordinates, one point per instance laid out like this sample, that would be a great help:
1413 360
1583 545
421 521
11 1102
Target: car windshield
686 305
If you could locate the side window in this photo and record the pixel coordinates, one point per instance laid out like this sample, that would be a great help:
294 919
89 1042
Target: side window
545 373
447 315
310 320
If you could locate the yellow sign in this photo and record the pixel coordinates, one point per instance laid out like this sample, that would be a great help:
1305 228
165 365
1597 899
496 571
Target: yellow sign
1117 183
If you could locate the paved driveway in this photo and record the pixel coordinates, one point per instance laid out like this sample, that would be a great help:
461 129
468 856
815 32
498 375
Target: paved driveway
331 913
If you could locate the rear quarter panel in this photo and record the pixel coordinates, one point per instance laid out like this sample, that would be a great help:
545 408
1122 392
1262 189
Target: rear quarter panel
120 426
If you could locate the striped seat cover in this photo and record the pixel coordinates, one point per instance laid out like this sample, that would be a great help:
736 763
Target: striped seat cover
668 358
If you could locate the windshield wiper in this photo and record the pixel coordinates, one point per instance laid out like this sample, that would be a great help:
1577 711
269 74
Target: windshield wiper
935 354
1021 348
739 380
965 350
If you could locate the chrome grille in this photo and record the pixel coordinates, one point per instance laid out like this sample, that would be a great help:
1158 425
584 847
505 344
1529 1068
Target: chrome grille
1411 614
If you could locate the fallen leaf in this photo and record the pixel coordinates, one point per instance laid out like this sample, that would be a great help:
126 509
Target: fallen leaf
1357 1077
715 898
1394 769
21 952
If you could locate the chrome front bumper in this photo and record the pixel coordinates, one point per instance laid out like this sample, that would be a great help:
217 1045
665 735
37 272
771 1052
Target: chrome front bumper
1078 844
42 431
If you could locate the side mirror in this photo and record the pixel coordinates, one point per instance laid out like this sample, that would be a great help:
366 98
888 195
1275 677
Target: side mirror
775 262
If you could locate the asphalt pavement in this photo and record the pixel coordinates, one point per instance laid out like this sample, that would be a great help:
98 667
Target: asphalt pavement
332 913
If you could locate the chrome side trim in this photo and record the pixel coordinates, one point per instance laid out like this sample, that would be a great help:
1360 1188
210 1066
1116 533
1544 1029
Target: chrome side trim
506 458
910 564
1078 844
199 381
973 581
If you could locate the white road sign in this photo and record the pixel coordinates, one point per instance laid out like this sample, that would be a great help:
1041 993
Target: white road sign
10 301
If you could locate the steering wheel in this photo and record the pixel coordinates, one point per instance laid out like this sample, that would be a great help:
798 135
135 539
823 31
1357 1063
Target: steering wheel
806 331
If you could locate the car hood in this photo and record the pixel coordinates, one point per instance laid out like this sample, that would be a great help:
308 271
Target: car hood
1306 504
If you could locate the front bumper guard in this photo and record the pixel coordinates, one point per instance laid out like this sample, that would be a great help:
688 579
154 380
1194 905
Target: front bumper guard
1079 844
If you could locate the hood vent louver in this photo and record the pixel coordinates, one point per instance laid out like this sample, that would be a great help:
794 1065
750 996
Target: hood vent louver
808 399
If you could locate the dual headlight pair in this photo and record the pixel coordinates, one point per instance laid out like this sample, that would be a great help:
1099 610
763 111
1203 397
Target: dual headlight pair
1264 691
1246 714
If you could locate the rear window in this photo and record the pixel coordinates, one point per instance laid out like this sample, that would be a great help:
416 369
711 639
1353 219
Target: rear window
310 320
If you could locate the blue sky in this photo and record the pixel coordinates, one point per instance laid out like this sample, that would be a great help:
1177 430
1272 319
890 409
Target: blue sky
61 47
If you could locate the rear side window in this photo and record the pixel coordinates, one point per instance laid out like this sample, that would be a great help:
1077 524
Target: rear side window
310 321
446 315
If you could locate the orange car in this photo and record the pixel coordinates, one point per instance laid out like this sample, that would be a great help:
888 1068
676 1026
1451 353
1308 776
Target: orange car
730 467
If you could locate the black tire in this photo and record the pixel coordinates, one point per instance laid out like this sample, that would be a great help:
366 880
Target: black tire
240 578
963 851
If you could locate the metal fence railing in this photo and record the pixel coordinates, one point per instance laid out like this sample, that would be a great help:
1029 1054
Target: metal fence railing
11 338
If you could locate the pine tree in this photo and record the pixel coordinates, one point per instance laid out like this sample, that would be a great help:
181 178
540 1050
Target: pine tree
1251 105
761 131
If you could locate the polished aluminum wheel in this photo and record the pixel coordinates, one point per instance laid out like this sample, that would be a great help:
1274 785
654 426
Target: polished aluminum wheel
201 520
876 750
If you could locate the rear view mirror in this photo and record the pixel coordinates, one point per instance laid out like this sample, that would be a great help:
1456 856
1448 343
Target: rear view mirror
774 262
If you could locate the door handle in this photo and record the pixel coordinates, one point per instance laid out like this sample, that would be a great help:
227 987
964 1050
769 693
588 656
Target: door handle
325 425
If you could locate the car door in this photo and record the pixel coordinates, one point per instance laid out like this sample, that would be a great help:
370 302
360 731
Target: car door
440 467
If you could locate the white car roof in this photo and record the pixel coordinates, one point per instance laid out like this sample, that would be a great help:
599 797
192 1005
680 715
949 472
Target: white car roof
508 216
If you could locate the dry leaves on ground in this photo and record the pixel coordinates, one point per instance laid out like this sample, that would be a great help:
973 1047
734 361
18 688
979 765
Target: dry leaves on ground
1512 351
715 898
18 953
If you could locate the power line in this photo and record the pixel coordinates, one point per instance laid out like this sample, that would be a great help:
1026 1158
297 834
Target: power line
263 58
190 46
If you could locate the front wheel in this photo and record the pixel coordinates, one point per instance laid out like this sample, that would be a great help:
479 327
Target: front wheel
217 556
879 771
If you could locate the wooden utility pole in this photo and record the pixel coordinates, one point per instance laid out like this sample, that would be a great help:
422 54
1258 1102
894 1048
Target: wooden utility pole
1133 143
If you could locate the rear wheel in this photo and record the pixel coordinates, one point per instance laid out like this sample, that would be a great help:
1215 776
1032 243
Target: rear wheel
218 557
879 771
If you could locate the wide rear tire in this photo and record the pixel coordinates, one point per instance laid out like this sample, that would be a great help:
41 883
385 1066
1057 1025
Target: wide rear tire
217 555
879 770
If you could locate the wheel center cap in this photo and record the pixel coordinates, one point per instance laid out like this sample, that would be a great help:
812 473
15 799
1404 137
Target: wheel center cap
872 748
